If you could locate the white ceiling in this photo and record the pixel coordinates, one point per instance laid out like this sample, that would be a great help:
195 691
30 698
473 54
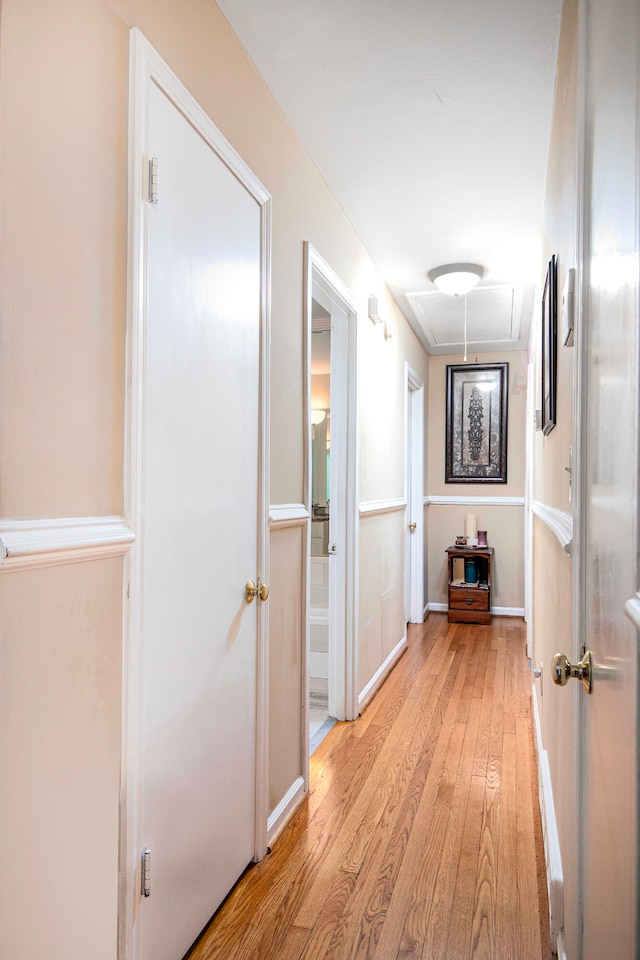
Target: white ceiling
430 122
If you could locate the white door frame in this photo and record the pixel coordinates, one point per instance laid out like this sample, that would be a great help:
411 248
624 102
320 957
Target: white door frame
414 493
321 283
147 68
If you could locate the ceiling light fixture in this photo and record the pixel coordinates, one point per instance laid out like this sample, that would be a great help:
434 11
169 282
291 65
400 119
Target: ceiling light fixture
456 279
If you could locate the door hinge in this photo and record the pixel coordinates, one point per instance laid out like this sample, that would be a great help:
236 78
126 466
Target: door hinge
153 180
146 873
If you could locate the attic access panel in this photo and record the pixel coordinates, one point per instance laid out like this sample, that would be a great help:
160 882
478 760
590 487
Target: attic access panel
498 318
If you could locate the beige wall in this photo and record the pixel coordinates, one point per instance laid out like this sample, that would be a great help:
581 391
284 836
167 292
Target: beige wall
552 610
63 206
504 523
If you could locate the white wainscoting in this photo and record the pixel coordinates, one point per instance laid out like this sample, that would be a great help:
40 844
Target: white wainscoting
26 544
558 521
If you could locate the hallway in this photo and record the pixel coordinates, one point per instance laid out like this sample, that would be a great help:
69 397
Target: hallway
421 835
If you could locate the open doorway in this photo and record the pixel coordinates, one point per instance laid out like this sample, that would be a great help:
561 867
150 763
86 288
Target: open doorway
331 493
320 720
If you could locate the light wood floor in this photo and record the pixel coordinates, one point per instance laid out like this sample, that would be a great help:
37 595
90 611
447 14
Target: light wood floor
420 836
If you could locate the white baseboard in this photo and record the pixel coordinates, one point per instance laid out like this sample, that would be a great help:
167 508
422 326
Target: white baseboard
507 611
285 809
553 859
496 611
381 674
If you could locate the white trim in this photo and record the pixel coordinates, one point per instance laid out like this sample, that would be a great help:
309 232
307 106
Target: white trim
287 515
495 611
381 673
558 521
146 69
374 508
632 610
550 836
285 809
437 607
460 500
425 612
507 611
51 542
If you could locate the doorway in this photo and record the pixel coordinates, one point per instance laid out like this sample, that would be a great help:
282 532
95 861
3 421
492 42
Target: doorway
331 494
195 804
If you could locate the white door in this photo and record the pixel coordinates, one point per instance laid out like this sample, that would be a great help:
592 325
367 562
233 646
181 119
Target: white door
414 469
608 818
199 540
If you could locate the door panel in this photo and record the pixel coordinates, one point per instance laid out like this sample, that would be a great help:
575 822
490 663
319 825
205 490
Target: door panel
608 820
199 532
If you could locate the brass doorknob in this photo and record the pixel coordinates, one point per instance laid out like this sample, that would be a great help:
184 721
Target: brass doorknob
412 526
562 670
261 590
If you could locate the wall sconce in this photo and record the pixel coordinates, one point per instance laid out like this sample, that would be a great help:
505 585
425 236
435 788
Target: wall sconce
375 317
317 416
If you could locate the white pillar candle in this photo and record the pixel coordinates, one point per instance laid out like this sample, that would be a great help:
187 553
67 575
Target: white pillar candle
471 527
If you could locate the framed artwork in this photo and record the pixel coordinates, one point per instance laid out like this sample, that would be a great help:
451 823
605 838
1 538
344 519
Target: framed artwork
476 442
549 363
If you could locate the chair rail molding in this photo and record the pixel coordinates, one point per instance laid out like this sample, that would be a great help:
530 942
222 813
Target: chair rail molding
26 544
558 521
287 515
461 500
373 508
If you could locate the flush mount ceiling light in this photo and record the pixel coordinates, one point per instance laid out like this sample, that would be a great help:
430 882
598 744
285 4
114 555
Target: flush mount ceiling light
456 279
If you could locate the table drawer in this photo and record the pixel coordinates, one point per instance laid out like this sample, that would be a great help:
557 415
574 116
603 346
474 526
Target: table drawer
468 599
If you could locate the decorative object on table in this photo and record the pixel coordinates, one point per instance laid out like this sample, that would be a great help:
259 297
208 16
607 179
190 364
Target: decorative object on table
471 529
470 571
461 541
476 429
482 538
549 346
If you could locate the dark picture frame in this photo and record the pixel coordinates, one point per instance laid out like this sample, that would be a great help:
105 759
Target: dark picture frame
549 364
476 429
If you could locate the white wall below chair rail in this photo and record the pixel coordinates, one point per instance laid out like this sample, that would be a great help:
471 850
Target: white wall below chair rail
460 500
557 520
25 544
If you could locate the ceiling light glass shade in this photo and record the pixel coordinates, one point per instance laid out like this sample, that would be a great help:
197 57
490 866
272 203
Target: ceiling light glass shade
317 416
456 279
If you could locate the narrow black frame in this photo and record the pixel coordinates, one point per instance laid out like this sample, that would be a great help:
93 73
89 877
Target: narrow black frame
549 357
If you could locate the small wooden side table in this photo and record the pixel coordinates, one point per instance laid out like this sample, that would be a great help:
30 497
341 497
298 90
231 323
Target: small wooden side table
470 603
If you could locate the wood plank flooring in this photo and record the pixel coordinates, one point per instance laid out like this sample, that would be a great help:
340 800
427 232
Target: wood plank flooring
420 837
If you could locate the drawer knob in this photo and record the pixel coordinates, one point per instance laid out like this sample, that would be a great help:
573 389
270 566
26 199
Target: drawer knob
468 600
